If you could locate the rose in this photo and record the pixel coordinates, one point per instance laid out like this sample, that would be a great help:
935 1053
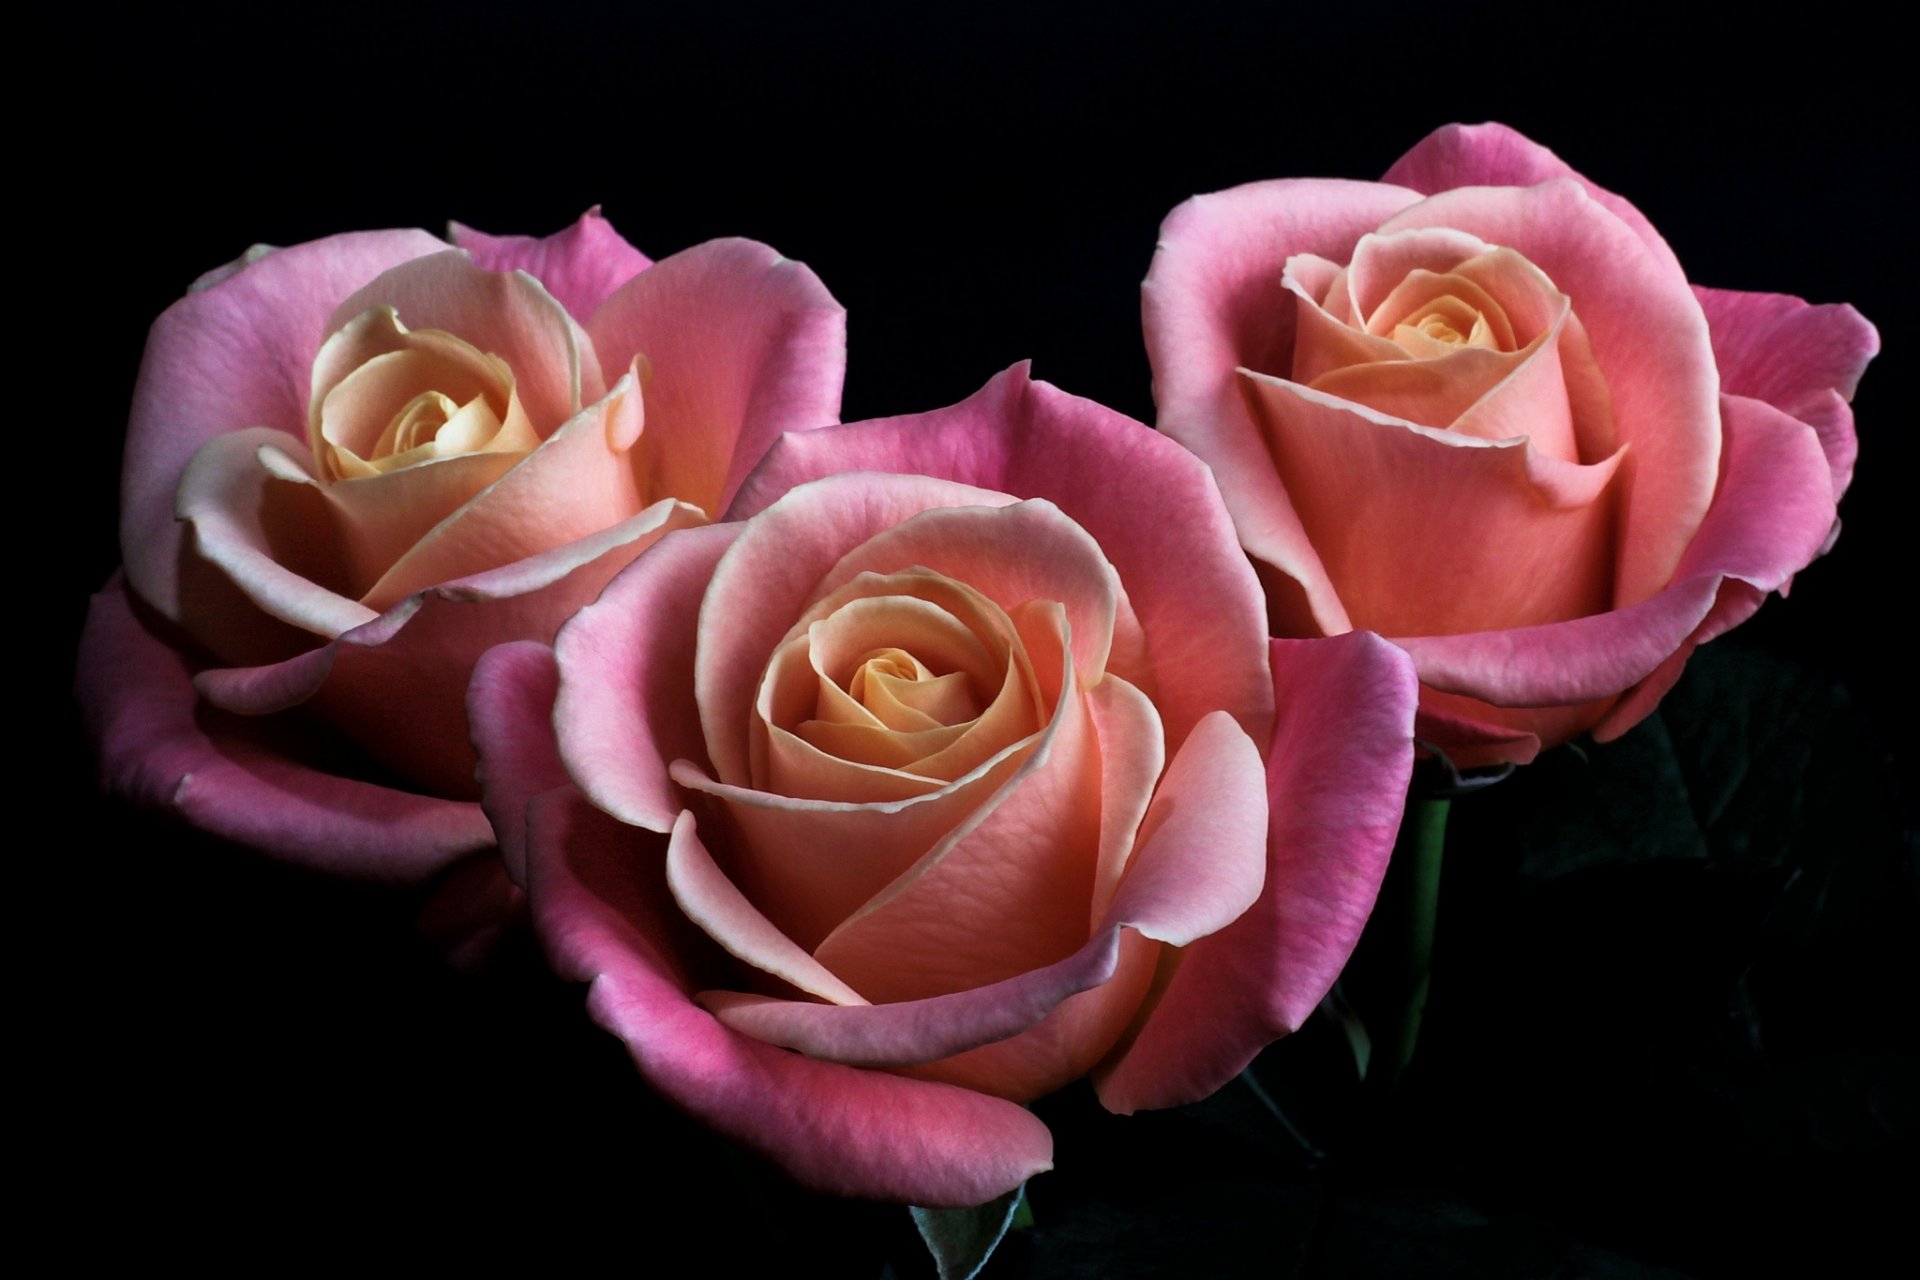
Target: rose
942 764
354 464
1478 408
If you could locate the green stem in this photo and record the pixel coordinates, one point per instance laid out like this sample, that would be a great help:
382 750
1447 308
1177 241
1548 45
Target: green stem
1423 837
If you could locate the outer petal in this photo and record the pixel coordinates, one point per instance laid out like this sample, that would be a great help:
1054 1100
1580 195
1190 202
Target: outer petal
625 709
224 499
1152 506
1797 357
236 353
1493 155
399 682
510 706
1464 729
1336 780
1769 520
1780 349
1649 338
1475 733
1429 532
1772 529
602 909
743 344
161 750
1213 302
580 266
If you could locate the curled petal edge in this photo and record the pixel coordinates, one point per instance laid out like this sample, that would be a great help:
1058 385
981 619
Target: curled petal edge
1771 517
156 750
603 912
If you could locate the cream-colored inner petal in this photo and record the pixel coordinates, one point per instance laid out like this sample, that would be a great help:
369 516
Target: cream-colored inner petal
387 398
1442 327
905 683
1431 314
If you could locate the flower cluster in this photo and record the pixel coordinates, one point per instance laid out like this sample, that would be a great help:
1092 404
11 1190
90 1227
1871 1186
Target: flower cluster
882 777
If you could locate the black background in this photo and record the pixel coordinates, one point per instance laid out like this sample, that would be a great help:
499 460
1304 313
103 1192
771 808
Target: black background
247 1064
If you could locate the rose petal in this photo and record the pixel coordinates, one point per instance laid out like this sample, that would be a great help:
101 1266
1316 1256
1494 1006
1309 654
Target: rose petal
1170 541
1775 511
378 519
1649 337
1462 729
1212 303
1428 532
803 762
1493 155
366 375
723 913
1797 357
505 314
990 652
810 863
625 709
602 908
400 680
1734 603
1335 781
579 481
1133 751
1832 420
510 708
225 500
1380 265
234 354
1322 340
1473 732
743 345
1025 859
580 266
1771 517
1778 348
158 748
1063 1046
773 571
1023 551
1199 867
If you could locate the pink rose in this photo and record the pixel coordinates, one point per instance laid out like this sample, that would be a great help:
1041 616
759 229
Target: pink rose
1477 408
960 763
355 464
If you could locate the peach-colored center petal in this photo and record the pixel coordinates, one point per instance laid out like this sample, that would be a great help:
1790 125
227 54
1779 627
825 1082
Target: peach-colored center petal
905 683
387 397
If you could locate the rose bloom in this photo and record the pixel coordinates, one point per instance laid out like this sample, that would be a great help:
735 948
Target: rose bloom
955 767
1476 407
355 464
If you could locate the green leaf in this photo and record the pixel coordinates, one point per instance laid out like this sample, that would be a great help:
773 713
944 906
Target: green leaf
961 1240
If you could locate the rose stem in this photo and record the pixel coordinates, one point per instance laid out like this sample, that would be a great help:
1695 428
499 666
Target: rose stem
1423 837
